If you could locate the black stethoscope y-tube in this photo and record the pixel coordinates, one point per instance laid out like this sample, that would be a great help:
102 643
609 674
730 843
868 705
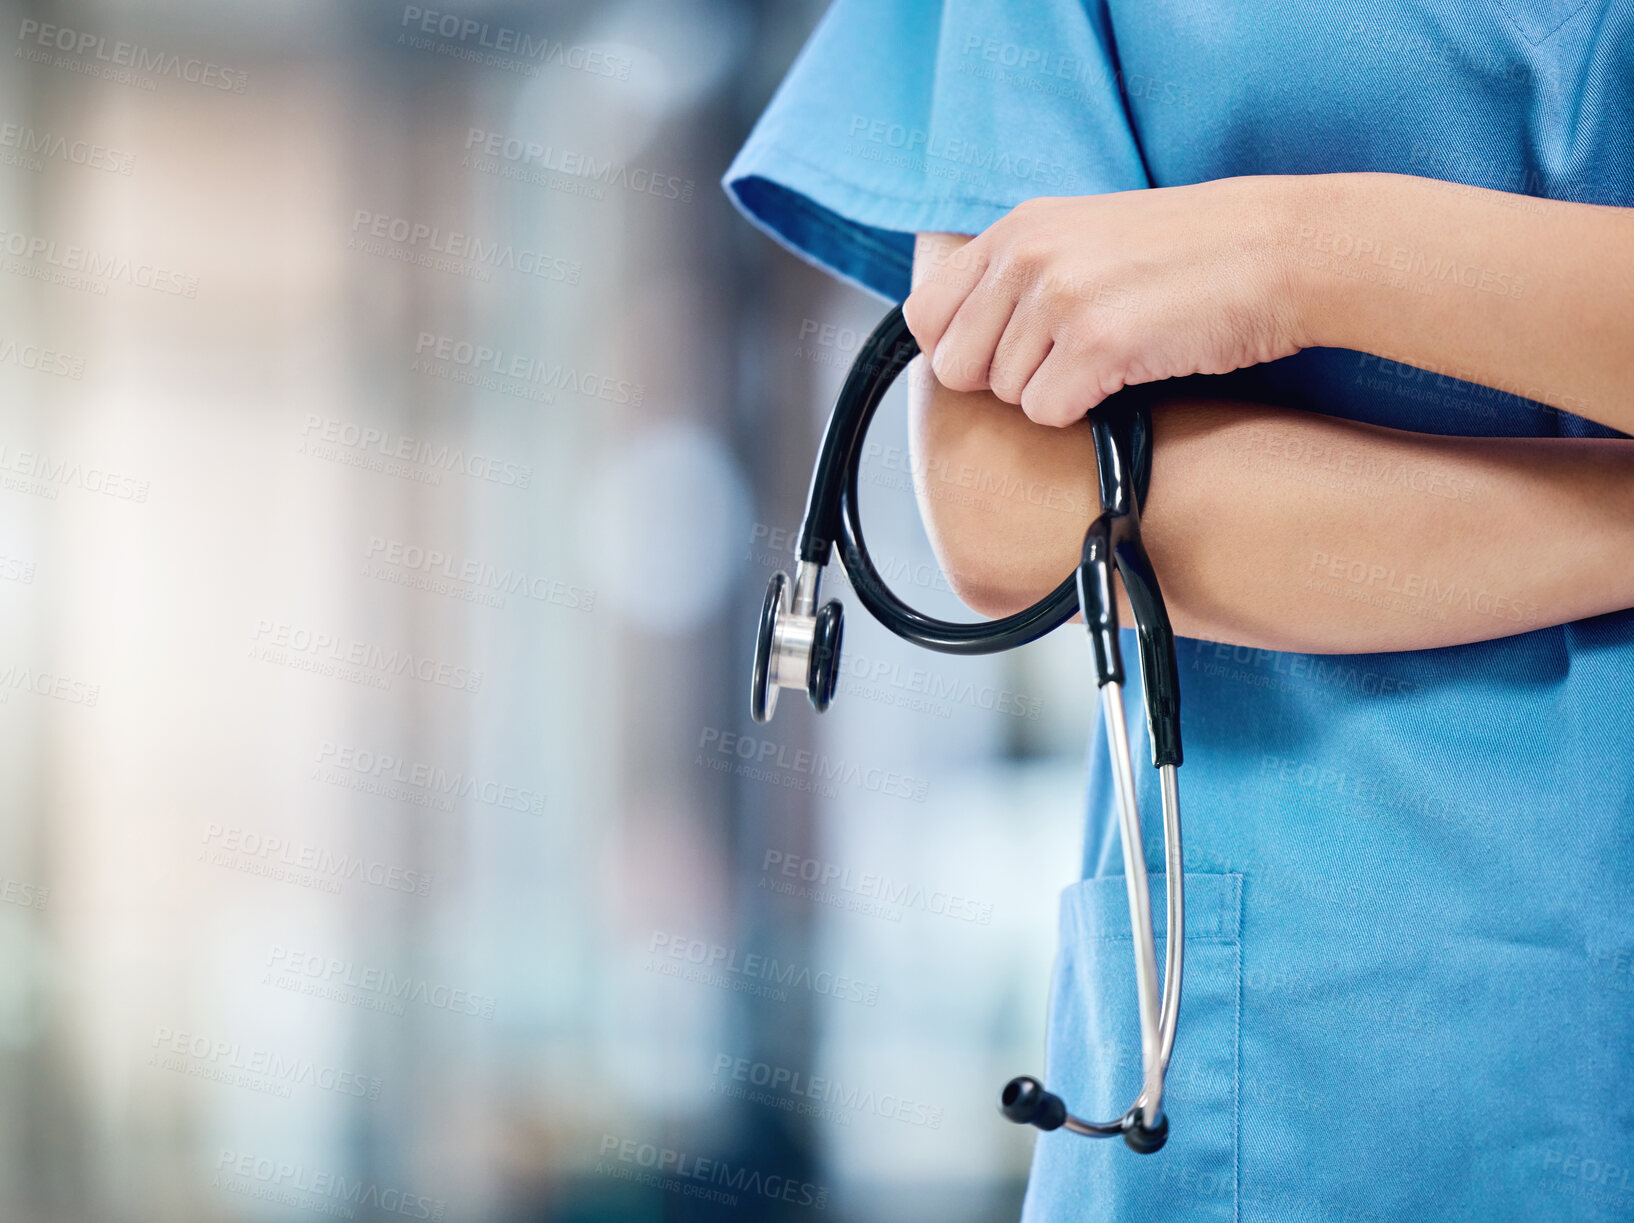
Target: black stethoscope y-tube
798 646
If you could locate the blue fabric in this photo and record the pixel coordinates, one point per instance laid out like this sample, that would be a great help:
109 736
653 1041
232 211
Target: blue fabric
1410 978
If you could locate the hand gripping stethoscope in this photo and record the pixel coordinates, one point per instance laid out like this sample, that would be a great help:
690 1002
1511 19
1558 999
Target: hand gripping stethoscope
798 646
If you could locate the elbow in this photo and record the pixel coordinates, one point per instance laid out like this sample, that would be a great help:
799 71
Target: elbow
1004 501
978 575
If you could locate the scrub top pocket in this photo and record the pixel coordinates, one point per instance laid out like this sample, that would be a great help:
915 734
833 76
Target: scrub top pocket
1094 1060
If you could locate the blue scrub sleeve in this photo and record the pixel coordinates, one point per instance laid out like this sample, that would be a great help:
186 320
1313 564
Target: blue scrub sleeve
907 116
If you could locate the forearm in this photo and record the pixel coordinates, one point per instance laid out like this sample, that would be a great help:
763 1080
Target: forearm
1290 531
1522 294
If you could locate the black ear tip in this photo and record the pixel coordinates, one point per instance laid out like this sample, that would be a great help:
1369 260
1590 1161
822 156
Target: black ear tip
1025 1102
1019 1098
1139 1137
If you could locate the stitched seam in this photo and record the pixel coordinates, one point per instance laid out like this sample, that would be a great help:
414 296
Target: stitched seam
829 176
823 219
1545 35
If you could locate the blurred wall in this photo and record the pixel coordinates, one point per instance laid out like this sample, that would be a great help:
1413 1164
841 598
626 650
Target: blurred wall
397 431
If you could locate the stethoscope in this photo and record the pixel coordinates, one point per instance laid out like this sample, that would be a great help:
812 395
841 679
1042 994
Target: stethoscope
798 646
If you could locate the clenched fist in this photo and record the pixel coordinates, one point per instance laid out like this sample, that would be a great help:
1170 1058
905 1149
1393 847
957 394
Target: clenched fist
1067 300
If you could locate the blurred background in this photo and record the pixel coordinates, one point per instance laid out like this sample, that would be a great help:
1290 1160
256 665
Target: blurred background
398 429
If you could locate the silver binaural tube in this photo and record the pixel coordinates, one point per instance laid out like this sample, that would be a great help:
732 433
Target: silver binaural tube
1140 905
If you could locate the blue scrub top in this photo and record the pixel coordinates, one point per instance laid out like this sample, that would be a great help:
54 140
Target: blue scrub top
1409 988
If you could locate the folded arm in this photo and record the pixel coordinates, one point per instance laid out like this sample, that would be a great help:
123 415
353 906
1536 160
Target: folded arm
1065 300
1287 530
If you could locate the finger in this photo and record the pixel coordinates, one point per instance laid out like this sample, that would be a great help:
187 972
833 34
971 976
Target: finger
1021 350
939 291
1067 385
964 354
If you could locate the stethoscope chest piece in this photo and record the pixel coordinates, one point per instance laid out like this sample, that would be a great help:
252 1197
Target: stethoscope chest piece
762 687
795 646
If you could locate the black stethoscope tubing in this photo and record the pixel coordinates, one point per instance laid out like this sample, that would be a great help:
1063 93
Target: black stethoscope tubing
833 512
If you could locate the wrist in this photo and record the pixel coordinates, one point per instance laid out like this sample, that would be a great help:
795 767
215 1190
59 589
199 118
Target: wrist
1345 237
1311 224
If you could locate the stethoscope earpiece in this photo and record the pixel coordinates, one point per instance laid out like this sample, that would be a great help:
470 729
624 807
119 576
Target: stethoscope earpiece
1025 1102
1138 1137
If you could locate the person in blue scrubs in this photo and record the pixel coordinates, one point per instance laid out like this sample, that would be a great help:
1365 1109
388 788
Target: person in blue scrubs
1381 257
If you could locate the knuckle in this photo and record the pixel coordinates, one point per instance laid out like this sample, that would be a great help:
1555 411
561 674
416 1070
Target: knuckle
1007 385
1084 333
916 311
959 266
1036 405
1076 342
923 317
1024 259
955 370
